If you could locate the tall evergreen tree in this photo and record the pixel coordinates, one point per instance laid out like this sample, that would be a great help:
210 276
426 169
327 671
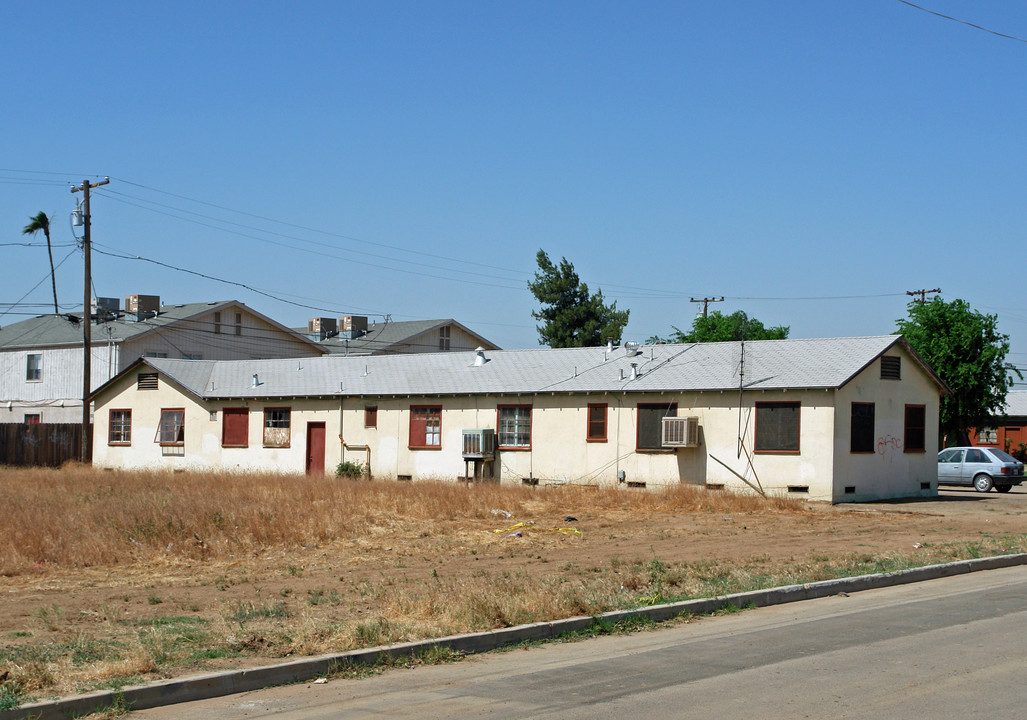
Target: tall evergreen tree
571 316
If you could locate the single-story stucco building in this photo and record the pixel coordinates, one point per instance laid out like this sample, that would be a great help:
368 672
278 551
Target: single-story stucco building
833 419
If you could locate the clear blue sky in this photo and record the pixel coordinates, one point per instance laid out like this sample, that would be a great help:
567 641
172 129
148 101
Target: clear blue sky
410 158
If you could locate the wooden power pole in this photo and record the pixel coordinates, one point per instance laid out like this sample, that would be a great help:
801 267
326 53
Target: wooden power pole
87 319
922 293
705 304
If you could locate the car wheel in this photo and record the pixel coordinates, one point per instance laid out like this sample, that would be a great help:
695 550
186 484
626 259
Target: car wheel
1003 488
982 483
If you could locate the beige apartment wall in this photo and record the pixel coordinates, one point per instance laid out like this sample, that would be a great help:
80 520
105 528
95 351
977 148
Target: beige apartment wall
890 471
257 340
202 449
560 454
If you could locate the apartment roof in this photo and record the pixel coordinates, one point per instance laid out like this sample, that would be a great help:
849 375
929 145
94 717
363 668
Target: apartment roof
66 329
1016 405
396 337
768 365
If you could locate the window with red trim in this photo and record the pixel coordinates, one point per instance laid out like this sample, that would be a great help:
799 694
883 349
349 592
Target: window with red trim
914 436
119 427
777 427
235 427
596 431
171 430
277 427
649 429
425 427
514 426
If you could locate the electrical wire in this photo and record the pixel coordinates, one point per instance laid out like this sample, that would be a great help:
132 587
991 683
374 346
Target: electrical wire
114 195
118 254
962 22
45 277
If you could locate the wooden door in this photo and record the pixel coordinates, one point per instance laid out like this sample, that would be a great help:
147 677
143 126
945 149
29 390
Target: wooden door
315 448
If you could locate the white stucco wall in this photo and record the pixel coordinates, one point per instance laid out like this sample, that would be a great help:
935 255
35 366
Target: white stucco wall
202 449
823 468
559 452
891 470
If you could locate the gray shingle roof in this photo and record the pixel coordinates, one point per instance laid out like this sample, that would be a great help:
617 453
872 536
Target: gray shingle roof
66 329
393 337
1016 404
769 364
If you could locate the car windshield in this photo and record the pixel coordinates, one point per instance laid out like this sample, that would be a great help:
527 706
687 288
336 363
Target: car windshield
1002 455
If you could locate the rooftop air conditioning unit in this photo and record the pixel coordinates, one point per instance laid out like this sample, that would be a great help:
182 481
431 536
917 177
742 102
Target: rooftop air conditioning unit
680 432
479 443
142 303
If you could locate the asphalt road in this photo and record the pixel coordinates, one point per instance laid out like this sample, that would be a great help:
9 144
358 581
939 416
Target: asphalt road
952 648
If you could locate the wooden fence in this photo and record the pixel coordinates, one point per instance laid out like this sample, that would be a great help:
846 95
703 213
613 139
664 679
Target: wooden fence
43 444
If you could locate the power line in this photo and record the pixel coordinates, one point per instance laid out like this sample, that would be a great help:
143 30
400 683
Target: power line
111 194
962 22
217 279
315 230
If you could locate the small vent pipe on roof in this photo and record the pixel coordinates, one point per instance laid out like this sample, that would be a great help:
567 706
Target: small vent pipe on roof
256 380
634 371
479 357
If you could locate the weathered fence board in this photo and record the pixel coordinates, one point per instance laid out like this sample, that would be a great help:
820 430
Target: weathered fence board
48 444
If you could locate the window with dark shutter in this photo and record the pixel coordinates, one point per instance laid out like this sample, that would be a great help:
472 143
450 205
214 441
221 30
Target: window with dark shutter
777 427
649 430
914 440
861 432
596 422
235 427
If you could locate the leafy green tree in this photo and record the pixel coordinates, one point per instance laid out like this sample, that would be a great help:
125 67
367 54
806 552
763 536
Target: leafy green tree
717 327
968 352
570 315
41 222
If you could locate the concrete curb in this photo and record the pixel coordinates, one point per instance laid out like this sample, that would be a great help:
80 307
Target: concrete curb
200 687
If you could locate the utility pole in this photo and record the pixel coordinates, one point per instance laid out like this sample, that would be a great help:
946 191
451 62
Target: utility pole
87 319
922 294
705 304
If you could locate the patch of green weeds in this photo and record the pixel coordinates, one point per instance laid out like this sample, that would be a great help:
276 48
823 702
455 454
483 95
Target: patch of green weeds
249 611
51 617
10 697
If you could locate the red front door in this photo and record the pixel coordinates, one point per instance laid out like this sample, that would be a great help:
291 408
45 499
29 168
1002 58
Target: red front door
315 448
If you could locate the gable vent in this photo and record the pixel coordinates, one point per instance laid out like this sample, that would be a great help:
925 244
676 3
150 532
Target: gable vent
891 367
146 381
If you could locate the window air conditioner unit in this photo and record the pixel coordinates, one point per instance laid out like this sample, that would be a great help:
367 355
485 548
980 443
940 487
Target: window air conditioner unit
479 443
680 432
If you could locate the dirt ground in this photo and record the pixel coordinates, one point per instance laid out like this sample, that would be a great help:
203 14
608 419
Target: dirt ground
59 604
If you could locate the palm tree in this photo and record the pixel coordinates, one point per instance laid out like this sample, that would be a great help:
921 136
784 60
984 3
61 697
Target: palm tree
42 222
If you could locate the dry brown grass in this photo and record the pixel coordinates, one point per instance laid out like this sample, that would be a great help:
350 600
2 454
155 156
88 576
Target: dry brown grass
119 577
79 517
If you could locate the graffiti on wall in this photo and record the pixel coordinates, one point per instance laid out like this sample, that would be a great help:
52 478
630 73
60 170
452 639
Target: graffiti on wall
888 443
